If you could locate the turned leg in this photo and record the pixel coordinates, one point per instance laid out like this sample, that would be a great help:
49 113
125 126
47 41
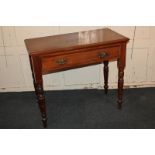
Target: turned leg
106 73
121 66
41 102
120 86
38 85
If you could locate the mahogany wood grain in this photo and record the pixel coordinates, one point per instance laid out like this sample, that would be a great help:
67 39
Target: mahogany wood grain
62 52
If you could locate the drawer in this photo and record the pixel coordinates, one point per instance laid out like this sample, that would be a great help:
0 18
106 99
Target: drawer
78 59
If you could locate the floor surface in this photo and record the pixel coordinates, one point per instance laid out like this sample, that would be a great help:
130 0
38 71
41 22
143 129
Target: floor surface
80 109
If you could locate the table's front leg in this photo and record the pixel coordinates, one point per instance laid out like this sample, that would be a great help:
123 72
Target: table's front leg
41 102
120 86
121 67
38 84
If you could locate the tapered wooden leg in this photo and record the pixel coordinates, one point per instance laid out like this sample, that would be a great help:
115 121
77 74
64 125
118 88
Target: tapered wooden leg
121 66
38 85
120 86
41 102
106 73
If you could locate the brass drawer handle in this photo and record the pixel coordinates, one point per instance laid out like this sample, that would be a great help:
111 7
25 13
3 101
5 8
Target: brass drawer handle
61 61
103 55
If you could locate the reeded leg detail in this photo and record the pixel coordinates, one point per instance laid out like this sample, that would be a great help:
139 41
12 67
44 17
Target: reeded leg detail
120 87
106 73
41 103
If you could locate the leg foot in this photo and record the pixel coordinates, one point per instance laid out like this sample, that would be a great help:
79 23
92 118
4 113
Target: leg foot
119 105
44 121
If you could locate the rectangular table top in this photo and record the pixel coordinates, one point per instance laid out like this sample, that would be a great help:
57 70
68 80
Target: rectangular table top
73 41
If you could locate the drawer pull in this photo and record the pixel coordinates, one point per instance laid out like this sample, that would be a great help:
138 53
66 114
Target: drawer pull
61 61
103 55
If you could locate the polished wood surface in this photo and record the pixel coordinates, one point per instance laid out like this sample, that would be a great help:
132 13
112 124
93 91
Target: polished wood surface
62 52
73 41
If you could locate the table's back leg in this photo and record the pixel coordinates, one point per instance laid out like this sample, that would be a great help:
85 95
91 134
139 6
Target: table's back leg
38 85
106 73
121 66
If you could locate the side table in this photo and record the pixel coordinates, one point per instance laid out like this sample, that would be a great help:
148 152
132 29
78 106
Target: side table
74 50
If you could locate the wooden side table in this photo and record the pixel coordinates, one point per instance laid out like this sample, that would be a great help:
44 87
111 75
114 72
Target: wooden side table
62 52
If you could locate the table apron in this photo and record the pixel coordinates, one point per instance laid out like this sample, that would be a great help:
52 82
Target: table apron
78 59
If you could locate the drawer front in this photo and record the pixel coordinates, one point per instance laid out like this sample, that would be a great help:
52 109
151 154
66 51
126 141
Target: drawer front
75 60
